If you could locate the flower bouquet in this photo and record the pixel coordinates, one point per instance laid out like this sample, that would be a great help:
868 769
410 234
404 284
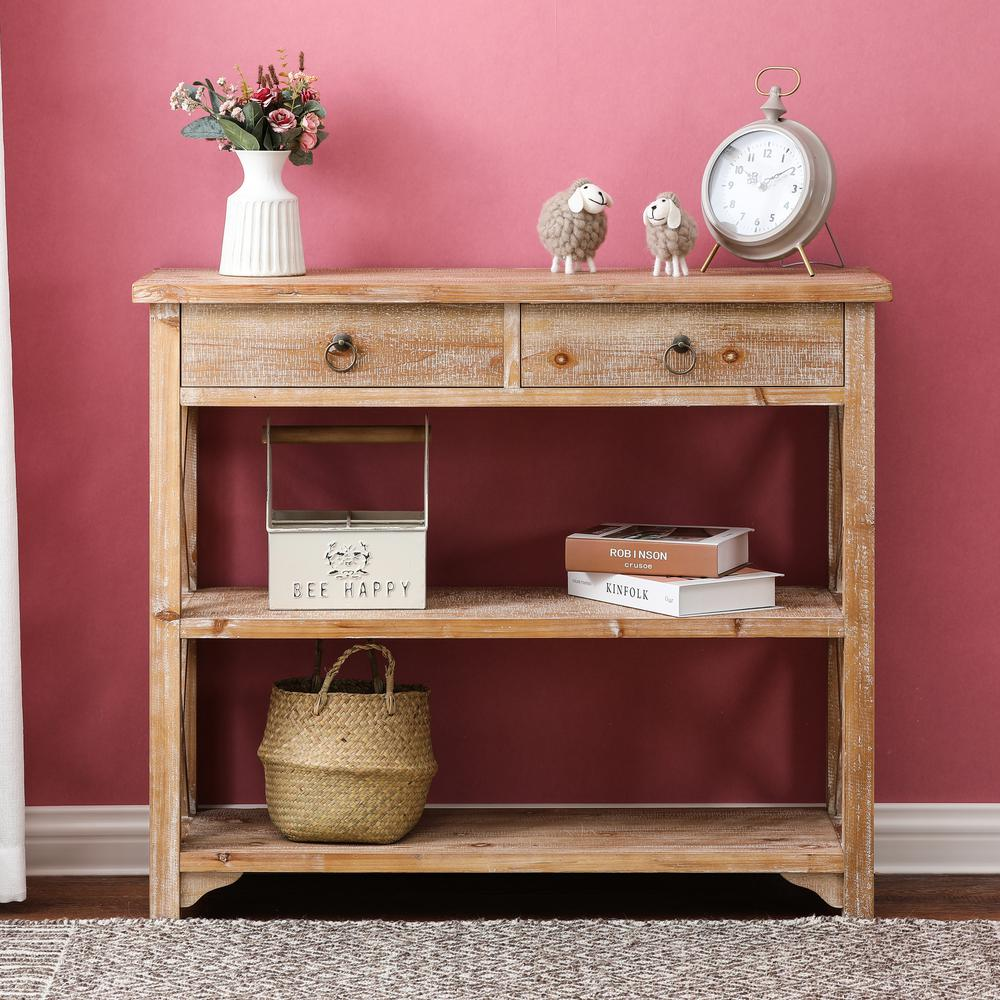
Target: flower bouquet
278 120
282 113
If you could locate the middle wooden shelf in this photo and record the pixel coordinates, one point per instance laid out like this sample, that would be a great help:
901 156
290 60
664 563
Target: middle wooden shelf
503 612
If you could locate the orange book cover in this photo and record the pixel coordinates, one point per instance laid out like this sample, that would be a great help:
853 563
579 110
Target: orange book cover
658 549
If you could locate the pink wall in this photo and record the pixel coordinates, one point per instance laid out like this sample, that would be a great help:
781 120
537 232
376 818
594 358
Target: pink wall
484 109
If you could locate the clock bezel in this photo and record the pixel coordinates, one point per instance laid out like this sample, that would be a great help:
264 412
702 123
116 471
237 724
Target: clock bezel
776 128
812 211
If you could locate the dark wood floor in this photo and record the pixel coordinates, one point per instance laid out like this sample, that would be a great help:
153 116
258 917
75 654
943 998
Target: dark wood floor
435 897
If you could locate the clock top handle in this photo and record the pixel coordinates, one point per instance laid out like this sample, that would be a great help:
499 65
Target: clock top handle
781 93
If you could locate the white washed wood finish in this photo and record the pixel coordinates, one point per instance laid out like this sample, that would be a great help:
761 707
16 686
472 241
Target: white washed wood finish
503 613
611 344
857 648
536 840
397 345
167 555
513 395
834 858
514 284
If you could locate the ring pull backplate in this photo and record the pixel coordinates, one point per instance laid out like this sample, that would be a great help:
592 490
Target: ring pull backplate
683 349
342 348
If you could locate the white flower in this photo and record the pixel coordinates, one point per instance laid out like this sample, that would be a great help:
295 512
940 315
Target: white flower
181 99
221 82
232 109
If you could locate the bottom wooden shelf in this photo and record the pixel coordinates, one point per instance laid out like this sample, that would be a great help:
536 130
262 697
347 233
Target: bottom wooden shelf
779 839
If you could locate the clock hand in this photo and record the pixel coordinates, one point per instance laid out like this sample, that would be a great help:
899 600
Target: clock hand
765 183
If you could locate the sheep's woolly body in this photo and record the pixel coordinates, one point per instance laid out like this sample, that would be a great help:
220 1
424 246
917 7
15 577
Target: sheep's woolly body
664 242
563 233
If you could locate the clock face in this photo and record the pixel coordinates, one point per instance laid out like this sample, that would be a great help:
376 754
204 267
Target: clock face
757 184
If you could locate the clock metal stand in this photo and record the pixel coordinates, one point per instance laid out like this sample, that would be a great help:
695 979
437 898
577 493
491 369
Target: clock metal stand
818 185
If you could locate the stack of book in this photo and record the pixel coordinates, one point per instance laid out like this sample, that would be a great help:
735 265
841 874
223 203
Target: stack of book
669 569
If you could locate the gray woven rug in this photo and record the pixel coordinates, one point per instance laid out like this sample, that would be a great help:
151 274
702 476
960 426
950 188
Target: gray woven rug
498 959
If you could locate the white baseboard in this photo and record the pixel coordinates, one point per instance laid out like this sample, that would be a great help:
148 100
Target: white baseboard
87 840
910 838
935 838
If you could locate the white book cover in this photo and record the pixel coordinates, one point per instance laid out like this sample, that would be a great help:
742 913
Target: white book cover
746 589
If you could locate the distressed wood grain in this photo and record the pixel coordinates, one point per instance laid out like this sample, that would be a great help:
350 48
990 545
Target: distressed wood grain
194 885
834 692
262 396
167 556
489 338
829 887
189 461
397 345
512 345
392 285
740 344
858 646
503 612
535 840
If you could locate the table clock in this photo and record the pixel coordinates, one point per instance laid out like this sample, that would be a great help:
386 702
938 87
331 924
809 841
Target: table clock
768 188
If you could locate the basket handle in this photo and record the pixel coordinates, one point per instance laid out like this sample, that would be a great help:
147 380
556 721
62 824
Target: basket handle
390 669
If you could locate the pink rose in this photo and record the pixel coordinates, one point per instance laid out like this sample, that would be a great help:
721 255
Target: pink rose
310 95
281 120
311 122
308 140
264 95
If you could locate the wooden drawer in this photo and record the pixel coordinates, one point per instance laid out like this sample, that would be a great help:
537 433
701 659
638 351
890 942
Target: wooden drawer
606 344
397 345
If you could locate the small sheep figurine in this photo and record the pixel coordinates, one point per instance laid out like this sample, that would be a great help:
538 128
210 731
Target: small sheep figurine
670 234
573 225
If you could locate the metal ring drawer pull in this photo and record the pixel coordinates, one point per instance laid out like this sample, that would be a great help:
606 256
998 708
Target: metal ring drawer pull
342 344
681 345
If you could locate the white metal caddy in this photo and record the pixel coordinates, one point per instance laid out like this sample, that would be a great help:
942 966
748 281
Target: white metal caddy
347 559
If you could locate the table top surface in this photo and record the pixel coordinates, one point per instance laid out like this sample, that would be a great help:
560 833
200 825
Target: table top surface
524 285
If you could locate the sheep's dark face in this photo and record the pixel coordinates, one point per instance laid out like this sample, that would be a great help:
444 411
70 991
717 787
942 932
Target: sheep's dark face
589 198
663 210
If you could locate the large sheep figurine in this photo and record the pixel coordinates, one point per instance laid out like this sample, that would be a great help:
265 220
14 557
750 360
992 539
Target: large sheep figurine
573 225
670 234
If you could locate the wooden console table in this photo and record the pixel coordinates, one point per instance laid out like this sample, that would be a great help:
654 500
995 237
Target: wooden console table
500 338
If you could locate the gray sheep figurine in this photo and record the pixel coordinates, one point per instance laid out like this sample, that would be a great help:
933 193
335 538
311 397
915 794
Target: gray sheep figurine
670 234
573 225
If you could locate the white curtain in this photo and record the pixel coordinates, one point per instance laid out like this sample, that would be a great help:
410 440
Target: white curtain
11 738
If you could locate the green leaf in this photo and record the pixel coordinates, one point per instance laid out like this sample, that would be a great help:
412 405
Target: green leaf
301 157
208 83
239 137
203 128
315 107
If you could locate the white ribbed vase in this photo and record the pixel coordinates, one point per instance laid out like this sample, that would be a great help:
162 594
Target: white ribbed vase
263 236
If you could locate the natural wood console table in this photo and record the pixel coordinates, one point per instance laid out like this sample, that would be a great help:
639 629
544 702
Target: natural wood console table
514 338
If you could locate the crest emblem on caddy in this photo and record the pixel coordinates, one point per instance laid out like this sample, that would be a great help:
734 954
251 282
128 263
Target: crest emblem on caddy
347 559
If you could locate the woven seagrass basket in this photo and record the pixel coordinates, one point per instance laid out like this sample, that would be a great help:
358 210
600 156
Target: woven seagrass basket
349 763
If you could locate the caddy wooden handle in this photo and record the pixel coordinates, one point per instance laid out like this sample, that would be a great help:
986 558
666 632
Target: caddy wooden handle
388 434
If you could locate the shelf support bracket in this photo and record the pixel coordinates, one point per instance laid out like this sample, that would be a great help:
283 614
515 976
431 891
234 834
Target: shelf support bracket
828 886
194 885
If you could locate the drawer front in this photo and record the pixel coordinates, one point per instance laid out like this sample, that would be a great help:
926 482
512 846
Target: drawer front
287 345
607 344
